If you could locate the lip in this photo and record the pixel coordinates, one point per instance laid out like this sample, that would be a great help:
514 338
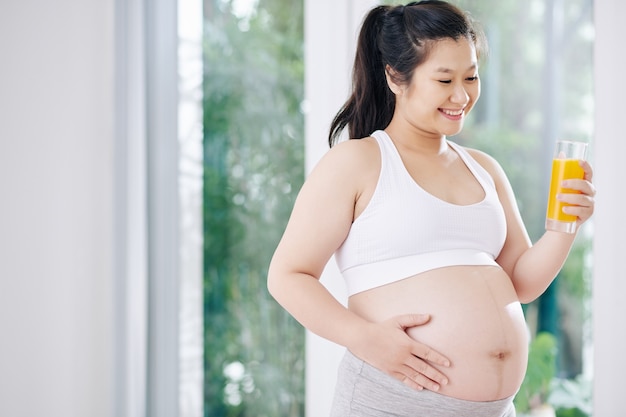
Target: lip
452 114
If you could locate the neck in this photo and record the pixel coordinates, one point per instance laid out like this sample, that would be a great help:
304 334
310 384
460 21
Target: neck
417 141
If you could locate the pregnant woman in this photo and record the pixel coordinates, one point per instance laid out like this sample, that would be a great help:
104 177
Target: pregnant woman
426 233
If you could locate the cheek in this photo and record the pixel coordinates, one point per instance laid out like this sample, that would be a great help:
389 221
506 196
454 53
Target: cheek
474 94
426 98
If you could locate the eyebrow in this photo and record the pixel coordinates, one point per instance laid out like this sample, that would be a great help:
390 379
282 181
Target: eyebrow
448 70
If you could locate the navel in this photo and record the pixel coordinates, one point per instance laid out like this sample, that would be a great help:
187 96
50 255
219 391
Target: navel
500 355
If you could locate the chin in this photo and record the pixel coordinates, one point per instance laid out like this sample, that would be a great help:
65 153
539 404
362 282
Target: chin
452 132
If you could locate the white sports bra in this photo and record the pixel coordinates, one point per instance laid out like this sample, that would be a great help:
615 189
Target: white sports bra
405 230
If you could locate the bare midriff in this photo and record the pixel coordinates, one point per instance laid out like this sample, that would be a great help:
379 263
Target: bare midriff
476 321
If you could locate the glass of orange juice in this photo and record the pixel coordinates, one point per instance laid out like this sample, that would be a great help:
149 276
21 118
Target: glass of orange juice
565 165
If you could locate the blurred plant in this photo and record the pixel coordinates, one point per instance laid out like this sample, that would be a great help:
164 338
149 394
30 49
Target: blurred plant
541 390
253 168
541 370
572 397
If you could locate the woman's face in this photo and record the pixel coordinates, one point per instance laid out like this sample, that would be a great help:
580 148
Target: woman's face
443 89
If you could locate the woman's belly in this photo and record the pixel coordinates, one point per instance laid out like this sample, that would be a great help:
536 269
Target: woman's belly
476 321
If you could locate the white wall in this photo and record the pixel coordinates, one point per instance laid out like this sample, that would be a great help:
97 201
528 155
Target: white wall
609 290
56 207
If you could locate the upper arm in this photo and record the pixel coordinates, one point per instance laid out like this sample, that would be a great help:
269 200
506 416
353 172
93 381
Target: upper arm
324 210
517 239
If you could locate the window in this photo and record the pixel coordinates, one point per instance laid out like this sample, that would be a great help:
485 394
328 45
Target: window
253 168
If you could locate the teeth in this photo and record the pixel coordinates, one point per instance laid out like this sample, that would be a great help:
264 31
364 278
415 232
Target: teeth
452 113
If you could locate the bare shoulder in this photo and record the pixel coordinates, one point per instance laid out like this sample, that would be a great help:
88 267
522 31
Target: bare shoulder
356 151
489 163
350 159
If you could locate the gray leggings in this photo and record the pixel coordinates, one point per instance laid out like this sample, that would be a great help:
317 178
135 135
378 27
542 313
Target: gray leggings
364 391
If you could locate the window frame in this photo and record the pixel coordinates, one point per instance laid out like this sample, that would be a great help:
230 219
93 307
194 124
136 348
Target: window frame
156 126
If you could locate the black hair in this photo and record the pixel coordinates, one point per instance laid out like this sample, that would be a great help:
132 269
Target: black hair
400 37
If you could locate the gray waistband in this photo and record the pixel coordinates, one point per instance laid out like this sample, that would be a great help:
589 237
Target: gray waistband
365 391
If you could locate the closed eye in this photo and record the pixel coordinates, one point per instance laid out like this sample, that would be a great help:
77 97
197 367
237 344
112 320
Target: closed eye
469 79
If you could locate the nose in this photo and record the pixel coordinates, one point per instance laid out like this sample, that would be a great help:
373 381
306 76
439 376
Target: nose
459 95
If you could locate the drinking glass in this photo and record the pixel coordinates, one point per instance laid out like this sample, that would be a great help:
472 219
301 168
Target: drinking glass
565 165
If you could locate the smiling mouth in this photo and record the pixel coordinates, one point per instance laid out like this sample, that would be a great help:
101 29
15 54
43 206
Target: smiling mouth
453 113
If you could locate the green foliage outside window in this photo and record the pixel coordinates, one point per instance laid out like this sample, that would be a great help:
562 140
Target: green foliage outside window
253 168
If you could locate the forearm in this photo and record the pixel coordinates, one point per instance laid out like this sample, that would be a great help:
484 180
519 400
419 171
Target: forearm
311 304
539 264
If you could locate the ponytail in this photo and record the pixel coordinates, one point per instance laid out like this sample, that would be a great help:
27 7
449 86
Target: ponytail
371 104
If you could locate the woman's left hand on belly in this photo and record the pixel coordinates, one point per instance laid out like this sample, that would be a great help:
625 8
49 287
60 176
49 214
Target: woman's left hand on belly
387 346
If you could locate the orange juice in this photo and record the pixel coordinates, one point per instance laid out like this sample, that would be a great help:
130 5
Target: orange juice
562 169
